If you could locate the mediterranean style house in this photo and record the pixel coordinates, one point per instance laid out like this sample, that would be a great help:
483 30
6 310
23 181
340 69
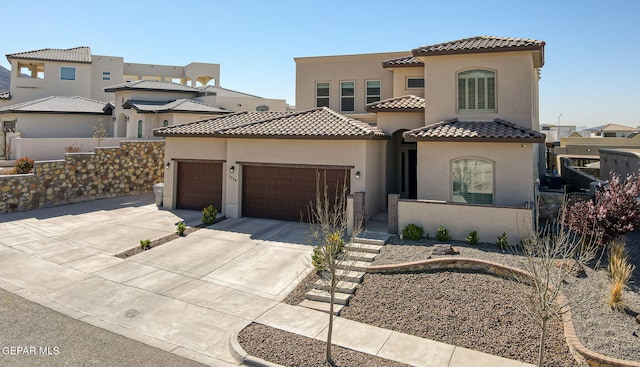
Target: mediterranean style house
64 93
445 134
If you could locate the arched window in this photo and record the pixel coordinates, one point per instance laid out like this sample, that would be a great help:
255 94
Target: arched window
165 123
472 181
139 129
477 91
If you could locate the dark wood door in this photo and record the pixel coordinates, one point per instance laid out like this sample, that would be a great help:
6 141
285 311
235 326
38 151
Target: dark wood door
284 192
199 185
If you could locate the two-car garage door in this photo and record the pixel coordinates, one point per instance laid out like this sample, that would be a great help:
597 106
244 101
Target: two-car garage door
284 192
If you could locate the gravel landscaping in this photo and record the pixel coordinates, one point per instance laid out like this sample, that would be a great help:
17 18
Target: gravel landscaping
475 310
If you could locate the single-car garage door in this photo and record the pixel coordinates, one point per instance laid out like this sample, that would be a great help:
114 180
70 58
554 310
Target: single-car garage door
199 185
285 192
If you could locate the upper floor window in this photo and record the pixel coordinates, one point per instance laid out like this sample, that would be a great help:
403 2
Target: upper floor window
373 91
477 91
106 75
415 83
67 73
165 123
322 94
347 96
472 181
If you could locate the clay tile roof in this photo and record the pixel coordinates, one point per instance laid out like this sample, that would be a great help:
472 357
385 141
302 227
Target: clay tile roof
402 62
55 104
5 95
179 105
480 131
406 103
77 54
316 123
479 44
153 85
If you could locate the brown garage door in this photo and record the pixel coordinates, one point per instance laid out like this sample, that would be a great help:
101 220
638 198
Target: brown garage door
284 192
199 185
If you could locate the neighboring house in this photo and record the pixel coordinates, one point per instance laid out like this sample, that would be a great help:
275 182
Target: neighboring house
76 72
452 130
232 100
612 131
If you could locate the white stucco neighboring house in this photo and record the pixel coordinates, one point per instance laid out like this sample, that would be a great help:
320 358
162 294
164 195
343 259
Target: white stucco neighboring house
446 134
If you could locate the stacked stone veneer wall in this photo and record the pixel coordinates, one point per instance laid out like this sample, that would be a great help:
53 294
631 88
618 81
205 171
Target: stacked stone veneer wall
131 168
579 351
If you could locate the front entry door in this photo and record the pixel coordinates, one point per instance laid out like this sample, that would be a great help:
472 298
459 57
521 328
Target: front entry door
408 172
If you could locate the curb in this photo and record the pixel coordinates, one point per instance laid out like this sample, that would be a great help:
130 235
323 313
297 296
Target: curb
243 357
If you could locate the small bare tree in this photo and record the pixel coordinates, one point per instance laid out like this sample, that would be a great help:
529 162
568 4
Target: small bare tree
328 223
99 131
551 255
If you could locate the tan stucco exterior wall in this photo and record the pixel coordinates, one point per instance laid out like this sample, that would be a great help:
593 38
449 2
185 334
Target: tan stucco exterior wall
590 146
622 161
334 69
514 170
400 76
516 87
27 89
100 64
460 220
391 122
54 125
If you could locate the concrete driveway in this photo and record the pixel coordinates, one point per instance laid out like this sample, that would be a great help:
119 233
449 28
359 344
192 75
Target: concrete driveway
187 296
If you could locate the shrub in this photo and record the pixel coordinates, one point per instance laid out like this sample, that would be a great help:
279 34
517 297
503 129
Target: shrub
472 238
503 241
145 244
22 166
180 228
334 244
442 234
209 215
620 272
73 148
614 211
412 232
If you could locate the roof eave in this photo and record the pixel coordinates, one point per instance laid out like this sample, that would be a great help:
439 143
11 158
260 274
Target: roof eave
374 110
417 53
477 140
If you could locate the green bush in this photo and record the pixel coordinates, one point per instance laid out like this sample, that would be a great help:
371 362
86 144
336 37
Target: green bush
412 232
22 166
180 228
333 246
209 215
503 241
472 238
442 234
145 244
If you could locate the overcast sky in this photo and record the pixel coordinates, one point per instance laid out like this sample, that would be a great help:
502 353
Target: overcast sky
591 57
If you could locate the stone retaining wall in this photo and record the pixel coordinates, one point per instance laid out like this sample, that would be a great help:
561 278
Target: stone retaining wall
131 168
580 352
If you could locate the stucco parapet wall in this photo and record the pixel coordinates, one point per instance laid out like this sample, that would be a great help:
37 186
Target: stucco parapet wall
580 352
442 202
132 168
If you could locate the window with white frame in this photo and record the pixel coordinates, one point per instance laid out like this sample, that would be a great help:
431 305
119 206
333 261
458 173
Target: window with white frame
106 75
347 96
67 73
373 91
472 181
322 94
415 82
477 91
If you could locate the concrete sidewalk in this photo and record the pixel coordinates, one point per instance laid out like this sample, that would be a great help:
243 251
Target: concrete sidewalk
383 343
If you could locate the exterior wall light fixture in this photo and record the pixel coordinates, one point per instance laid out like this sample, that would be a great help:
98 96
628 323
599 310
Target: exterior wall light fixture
232 169
357 175
167 165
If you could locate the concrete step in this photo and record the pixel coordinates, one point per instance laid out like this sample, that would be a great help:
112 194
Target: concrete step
371 241
350 276
361 256
354 265
364 247
324 296
342 286
321 306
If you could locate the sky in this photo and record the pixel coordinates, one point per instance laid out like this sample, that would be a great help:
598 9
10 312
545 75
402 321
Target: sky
591 53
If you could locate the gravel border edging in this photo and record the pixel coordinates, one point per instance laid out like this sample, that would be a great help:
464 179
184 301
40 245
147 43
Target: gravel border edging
506 271
245 358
